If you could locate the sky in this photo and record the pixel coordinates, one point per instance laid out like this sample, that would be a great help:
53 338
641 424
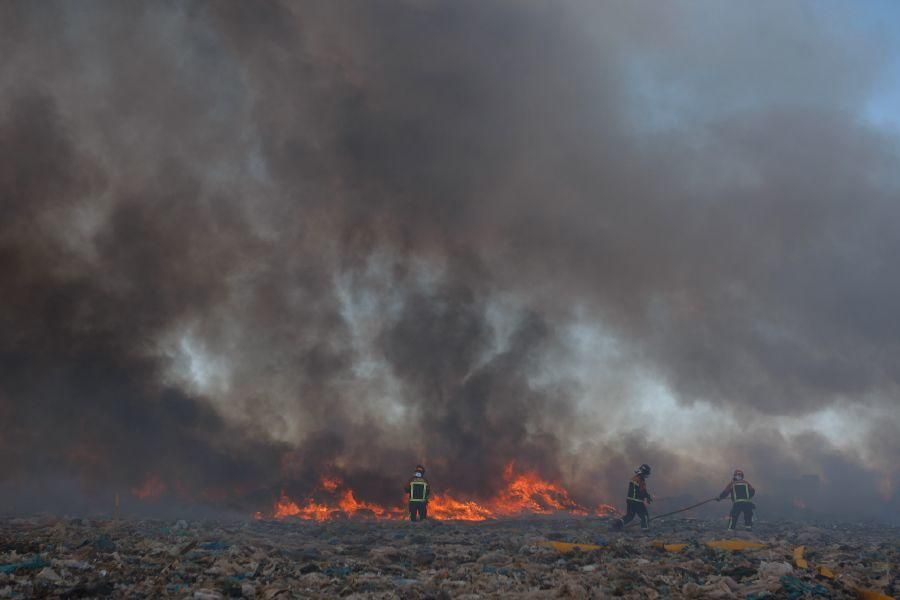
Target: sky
249 246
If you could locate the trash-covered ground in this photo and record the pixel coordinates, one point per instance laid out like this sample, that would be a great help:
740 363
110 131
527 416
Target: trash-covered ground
526 558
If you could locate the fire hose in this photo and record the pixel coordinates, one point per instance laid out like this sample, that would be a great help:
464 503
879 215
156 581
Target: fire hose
675 512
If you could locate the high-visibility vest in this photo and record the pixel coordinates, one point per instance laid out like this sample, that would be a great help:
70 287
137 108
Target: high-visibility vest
634 492
417 490
740 492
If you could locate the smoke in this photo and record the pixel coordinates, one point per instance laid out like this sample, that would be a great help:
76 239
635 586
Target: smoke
245 246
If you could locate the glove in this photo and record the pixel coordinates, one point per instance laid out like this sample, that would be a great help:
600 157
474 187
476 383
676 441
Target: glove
649 499
718 499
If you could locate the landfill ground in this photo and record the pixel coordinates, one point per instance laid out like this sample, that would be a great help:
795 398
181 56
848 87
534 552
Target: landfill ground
46 557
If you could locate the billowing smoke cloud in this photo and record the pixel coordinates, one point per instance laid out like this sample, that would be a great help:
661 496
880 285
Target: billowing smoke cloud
243 246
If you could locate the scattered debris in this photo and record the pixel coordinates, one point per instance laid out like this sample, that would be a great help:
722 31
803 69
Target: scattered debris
734 545
799 561
674 547
567 547
872 595
535 557
825 572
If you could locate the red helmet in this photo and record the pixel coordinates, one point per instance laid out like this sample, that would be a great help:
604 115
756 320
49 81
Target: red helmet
738 474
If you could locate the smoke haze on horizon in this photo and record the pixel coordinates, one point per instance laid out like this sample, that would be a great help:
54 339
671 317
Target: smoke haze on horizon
245 245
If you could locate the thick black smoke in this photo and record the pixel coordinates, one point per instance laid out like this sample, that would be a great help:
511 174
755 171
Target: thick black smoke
246 245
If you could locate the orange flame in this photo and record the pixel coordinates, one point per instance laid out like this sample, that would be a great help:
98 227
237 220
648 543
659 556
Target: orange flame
524 493
447 507
528 493
330 483
152 488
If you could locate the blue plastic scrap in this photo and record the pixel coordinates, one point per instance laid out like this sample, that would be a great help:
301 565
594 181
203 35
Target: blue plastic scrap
35 563
339 571
104 544
797 589
214 546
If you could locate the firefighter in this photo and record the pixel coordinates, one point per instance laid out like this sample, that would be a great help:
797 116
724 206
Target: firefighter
741 492
637 494
418 490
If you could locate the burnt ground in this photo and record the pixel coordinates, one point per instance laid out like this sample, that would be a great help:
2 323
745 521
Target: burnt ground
129 558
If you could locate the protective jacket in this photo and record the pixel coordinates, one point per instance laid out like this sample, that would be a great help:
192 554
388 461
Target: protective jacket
739 490
418 489
637 489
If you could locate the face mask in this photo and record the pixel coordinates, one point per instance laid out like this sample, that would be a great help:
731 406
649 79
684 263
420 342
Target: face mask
418 474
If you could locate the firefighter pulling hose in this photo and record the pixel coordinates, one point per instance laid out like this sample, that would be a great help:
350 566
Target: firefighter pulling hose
636 498
740 491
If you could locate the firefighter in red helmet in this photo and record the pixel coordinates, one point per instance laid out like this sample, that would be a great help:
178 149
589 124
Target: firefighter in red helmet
637 495
741 493
418 490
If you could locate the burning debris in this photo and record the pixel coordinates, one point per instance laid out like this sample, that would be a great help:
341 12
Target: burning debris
524 493
538 557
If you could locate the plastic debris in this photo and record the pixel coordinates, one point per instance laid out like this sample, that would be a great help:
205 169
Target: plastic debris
774 569
674 547
734 545
525 557
567 547
825 572
677 547
872 595
49 574
34 563
796 588
799 561
214 546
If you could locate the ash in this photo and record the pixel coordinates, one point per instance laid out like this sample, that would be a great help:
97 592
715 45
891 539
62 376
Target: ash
129 558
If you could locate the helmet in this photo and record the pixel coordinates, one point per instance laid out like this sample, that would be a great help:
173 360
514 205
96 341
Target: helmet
738 474
420 469
644 470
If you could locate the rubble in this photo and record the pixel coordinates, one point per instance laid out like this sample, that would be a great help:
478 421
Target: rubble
527 557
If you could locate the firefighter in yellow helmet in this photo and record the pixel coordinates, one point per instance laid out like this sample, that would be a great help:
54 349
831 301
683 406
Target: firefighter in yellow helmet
418 490
741 493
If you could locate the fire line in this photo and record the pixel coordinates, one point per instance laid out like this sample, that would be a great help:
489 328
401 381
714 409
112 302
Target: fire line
523 493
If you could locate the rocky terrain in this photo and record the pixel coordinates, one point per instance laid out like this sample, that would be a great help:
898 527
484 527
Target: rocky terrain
46 557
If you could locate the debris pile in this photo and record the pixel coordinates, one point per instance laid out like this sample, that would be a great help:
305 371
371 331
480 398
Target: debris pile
529 557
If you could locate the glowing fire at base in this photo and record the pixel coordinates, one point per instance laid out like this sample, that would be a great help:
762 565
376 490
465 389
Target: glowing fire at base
524 493
151 489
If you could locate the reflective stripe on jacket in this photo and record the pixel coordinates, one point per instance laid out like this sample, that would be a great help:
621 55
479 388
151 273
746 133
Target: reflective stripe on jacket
417 488
637 489
740 491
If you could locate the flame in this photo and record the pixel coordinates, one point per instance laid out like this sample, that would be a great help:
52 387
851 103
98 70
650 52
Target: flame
330 483
523 493
285 507
447 507
529 493
346 504
606 510
152 488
